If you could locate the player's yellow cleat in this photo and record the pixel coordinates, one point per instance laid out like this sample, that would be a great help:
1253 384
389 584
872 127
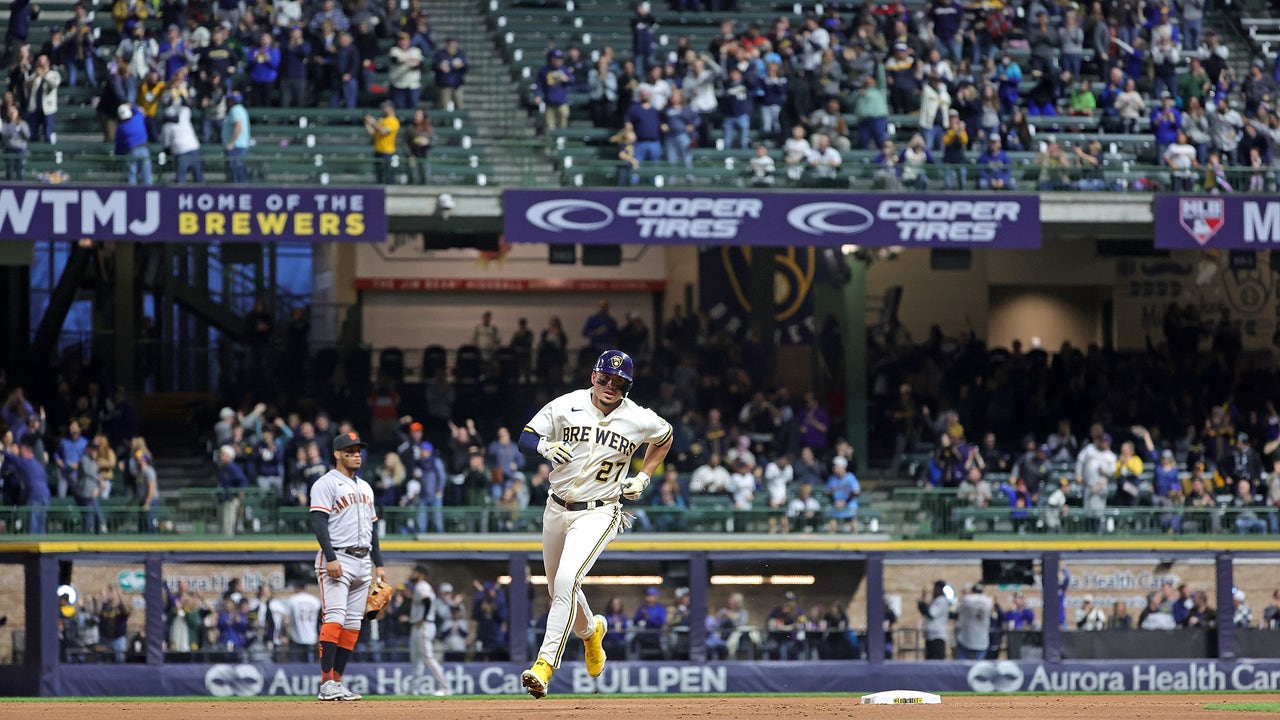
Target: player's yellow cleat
537 678
595 646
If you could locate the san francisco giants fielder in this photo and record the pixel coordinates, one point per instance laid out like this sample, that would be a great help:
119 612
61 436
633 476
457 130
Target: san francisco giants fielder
343 517
589 436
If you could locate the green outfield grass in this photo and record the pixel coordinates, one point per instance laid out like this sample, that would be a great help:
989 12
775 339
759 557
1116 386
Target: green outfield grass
1267 707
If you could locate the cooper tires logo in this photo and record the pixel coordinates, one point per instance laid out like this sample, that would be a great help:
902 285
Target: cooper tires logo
1000 676
233 681
577 215
830 218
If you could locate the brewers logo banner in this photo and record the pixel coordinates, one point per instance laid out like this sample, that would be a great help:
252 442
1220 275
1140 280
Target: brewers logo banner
1005 221
1220 222
195 214
724 284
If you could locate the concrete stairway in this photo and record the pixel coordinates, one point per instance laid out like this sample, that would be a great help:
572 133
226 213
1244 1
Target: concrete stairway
504 129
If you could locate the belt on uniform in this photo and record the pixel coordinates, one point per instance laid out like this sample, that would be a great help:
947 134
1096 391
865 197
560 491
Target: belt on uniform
579 506
356 551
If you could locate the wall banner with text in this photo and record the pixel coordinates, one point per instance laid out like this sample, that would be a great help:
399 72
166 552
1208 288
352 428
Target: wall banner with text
192 214
993 220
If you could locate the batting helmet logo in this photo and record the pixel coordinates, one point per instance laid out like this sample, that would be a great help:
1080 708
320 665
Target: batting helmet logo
616 362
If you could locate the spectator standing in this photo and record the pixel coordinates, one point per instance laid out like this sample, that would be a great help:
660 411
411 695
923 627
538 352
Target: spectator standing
42 99
263 65
1094 467
955 142
113 622
232 483
383 131
14 136
418 138
179 137
602 93
552 87
1130 106
80 55
935 111
150 93
405 73
1191 24
679 129
947 18
236 136
871 107
21 13
645 122
148 520
1071 41
295 61
600 329
345 69
131 144
451 70
430 472
738 105
172 53
643 26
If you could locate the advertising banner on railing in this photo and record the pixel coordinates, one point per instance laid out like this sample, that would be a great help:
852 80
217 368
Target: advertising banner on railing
1225 222
231 680
192 214
744 217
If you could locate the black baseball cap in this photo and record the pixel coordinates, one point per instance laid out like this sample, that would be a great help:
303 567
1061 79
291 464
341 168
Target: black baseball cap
342 442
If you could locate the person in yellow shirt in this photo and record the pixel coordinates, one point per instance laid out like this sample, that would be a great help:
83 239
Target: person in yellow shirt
1128 475
384 131
150 92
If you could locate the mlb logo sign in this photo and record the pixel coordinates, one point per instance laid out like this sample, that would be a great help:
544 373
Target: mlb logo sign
1202 217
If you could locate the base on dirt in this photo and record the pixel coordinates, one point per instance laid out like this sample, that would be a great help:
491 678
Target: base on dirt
901 697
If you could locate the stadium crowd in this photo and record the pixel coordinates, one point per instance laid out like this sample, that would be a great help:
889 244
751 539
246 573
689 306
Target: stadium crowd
822 84
983 426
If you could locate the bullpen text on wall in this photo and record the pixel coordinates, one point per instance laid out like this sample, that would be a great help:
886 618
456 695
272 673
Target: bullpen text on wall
773 219
194 214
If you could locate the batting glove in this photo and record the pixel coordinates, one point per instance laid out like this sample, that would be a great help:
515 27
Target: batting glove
557 452
634 486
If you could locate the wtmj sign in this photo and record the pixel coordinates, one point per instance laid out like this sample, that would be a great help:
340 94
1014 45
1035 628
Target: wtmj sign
192 214
772 219
1231 222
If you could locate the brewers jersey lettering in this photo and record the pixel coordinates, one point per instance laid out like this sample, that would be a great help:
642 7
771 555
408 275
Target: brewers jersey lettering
602 445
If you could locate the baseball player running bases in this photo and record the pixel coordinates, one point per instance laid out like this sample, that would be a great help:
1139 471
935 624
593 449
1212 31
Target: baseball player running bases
589 436
343 517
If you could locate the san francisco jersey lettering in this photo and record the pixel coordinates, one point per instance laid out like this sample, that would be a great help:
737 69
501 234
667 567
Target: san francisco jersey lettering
349 504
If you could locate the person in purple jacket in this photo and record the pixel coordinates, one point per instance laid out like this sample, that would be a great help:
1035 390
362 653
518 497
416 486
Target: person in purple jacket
35 481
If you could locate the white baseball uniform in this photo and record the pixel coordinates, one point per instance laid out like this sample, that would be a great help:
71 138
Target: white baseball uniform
349 504
583 513
422 634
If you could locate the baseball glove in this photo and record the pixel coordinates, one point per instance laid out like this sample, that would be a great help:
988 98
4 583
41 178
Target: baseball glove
379 596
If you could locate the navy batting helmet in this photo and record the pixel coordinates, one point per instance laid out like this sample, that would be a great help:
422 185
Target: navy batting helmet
616 362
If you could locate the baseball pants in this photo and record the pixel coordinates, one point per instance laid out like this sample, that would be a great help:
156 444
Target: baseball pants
344 598
422 654
571 544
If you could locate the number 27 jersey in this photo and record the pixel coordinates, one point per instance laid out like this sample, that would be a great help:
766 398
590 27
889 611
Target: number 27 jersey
601 445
